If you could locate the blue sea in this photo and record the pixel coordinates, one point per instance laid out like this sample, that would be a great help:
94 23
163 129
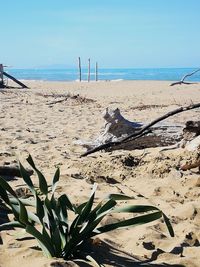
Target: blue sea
167 74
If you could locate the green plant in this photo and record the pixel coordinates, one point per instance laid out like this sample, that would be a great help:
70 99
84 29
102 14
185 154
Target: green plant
50 224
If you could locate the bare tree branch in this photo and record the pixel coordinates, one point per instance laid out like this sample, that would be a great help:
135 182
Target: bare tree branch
182 81
142 131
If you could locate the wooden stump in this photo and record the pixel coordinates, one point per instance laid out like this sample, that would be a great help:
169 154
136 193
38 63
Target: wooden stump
116 127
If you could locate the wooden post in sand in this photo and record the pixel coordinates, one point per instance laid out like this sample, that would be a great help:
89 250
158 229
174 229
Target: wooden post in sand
88 69
79 66
1 76
96 72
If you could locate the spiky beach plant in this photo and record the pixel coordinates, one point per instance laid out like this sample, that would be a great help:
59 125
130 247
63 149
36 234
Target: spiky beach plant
50 225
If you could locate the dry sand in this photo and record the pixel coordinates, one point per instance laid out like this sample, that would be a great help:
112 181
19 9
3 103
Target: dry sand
31 123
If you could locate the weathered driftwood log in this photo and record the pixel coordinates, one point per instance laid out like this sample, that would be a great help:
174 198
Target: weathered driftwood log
140 132
12 171
116 128
193 145
191 142
182 81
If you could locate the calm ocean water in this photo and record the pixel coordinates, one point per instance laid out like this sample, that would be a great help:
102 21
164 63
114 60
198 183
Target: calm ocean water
171 74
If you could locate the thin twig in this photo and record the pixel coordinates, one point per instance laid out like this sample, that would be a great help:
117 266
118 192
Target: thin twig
189 74
58 101
141 132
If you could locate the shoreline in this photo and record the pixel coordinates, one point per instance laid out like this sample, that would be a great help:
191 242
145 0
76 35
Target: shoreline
67 74
93 81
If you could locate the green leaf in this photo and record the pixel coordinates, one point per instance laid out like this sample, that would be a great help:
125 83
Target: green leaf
119 197
26 202
77 223
47 237
86 230
57 242
50 214
134 209
42 181
47 205
4 195
101 213
39 208
45 246
94 213
62 200
54 204
139 220
66 202
16 211
107 206
73 227
23 215
26 177
32 217
79 208
86 210
7 187
10 225
55 180
169 226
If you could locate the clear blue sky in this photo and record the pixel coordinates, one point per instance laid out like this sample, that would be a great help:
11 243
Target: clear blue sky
116 33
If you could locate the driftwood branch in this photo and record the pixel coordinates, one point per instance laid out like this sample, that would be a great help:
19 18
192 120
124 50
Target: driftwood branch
182 81
58 101
14 79
142 131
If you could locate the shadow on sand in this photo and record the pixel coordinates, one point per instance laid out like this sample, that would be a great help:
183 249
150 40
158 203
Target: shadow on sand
107 254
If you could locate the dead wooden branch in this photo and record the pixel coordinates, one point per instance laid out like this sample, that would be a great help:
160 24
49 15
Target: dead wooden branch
142 131
182 81
77 98
58 101
15 80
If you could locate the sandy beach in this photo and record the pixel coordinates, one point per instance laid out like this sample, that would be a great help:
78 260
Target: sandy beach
47 120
